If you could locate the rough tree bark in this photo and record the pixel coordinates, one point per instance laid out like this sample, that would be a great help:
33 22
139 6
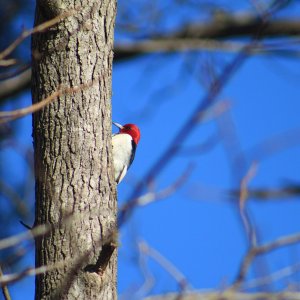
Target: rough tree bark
75 189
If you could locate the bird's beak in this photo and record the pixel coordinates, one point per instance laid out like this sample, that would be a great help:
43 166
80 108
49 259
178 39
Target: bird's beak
118 125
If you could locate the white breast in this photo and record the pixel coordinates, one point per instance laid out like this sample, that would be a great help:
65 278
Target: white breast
122 151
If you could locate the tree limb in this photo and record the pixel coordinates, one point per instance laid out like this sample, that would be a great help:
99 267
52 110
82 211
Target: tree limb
207 36
227 295
4 287
12 86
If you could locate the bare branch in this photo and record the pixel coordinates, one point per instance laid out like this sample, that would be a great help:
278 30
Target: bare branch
14 198
8 62
166 265
40 28
196 118
109 242
259 250
11 278
39 230
104 257
6 116
242 205
36 231
4 287
14 85
227 295
130 50
77 261
208 36
155 196
193 37
147 198
271 194
275 144
235 25
27 235
149 278
282 273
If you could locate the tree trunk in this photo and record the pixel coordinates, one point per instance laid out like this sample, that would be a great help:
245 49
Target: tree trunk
75 189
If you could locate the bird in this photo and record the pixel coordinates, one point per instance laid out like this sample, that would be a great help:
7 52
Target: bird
124 144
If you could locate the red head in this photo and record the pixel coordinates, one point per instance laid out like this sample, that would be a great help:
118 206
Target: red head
130 129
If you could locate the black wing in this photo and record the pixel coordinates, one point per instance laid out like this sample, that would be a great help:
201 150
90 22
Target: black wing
133 144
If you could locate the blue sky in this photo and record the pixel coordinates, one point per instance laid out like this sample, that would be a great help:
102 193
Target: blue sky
197 228
203 237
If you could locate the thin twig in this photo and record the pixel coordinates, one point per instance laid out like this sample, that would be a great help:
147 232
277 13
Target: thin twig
6 116
9 193
40 28
4 287
18 113
260 250
125 50
11 278
197 116
282 273
13 85
185 131
242 205
166 264
270 194
38 230
155 196
149 278
129 206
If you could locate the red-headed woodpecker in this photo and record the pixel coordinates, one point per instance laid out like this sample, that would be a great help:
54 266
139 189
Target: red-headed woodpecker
124 145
